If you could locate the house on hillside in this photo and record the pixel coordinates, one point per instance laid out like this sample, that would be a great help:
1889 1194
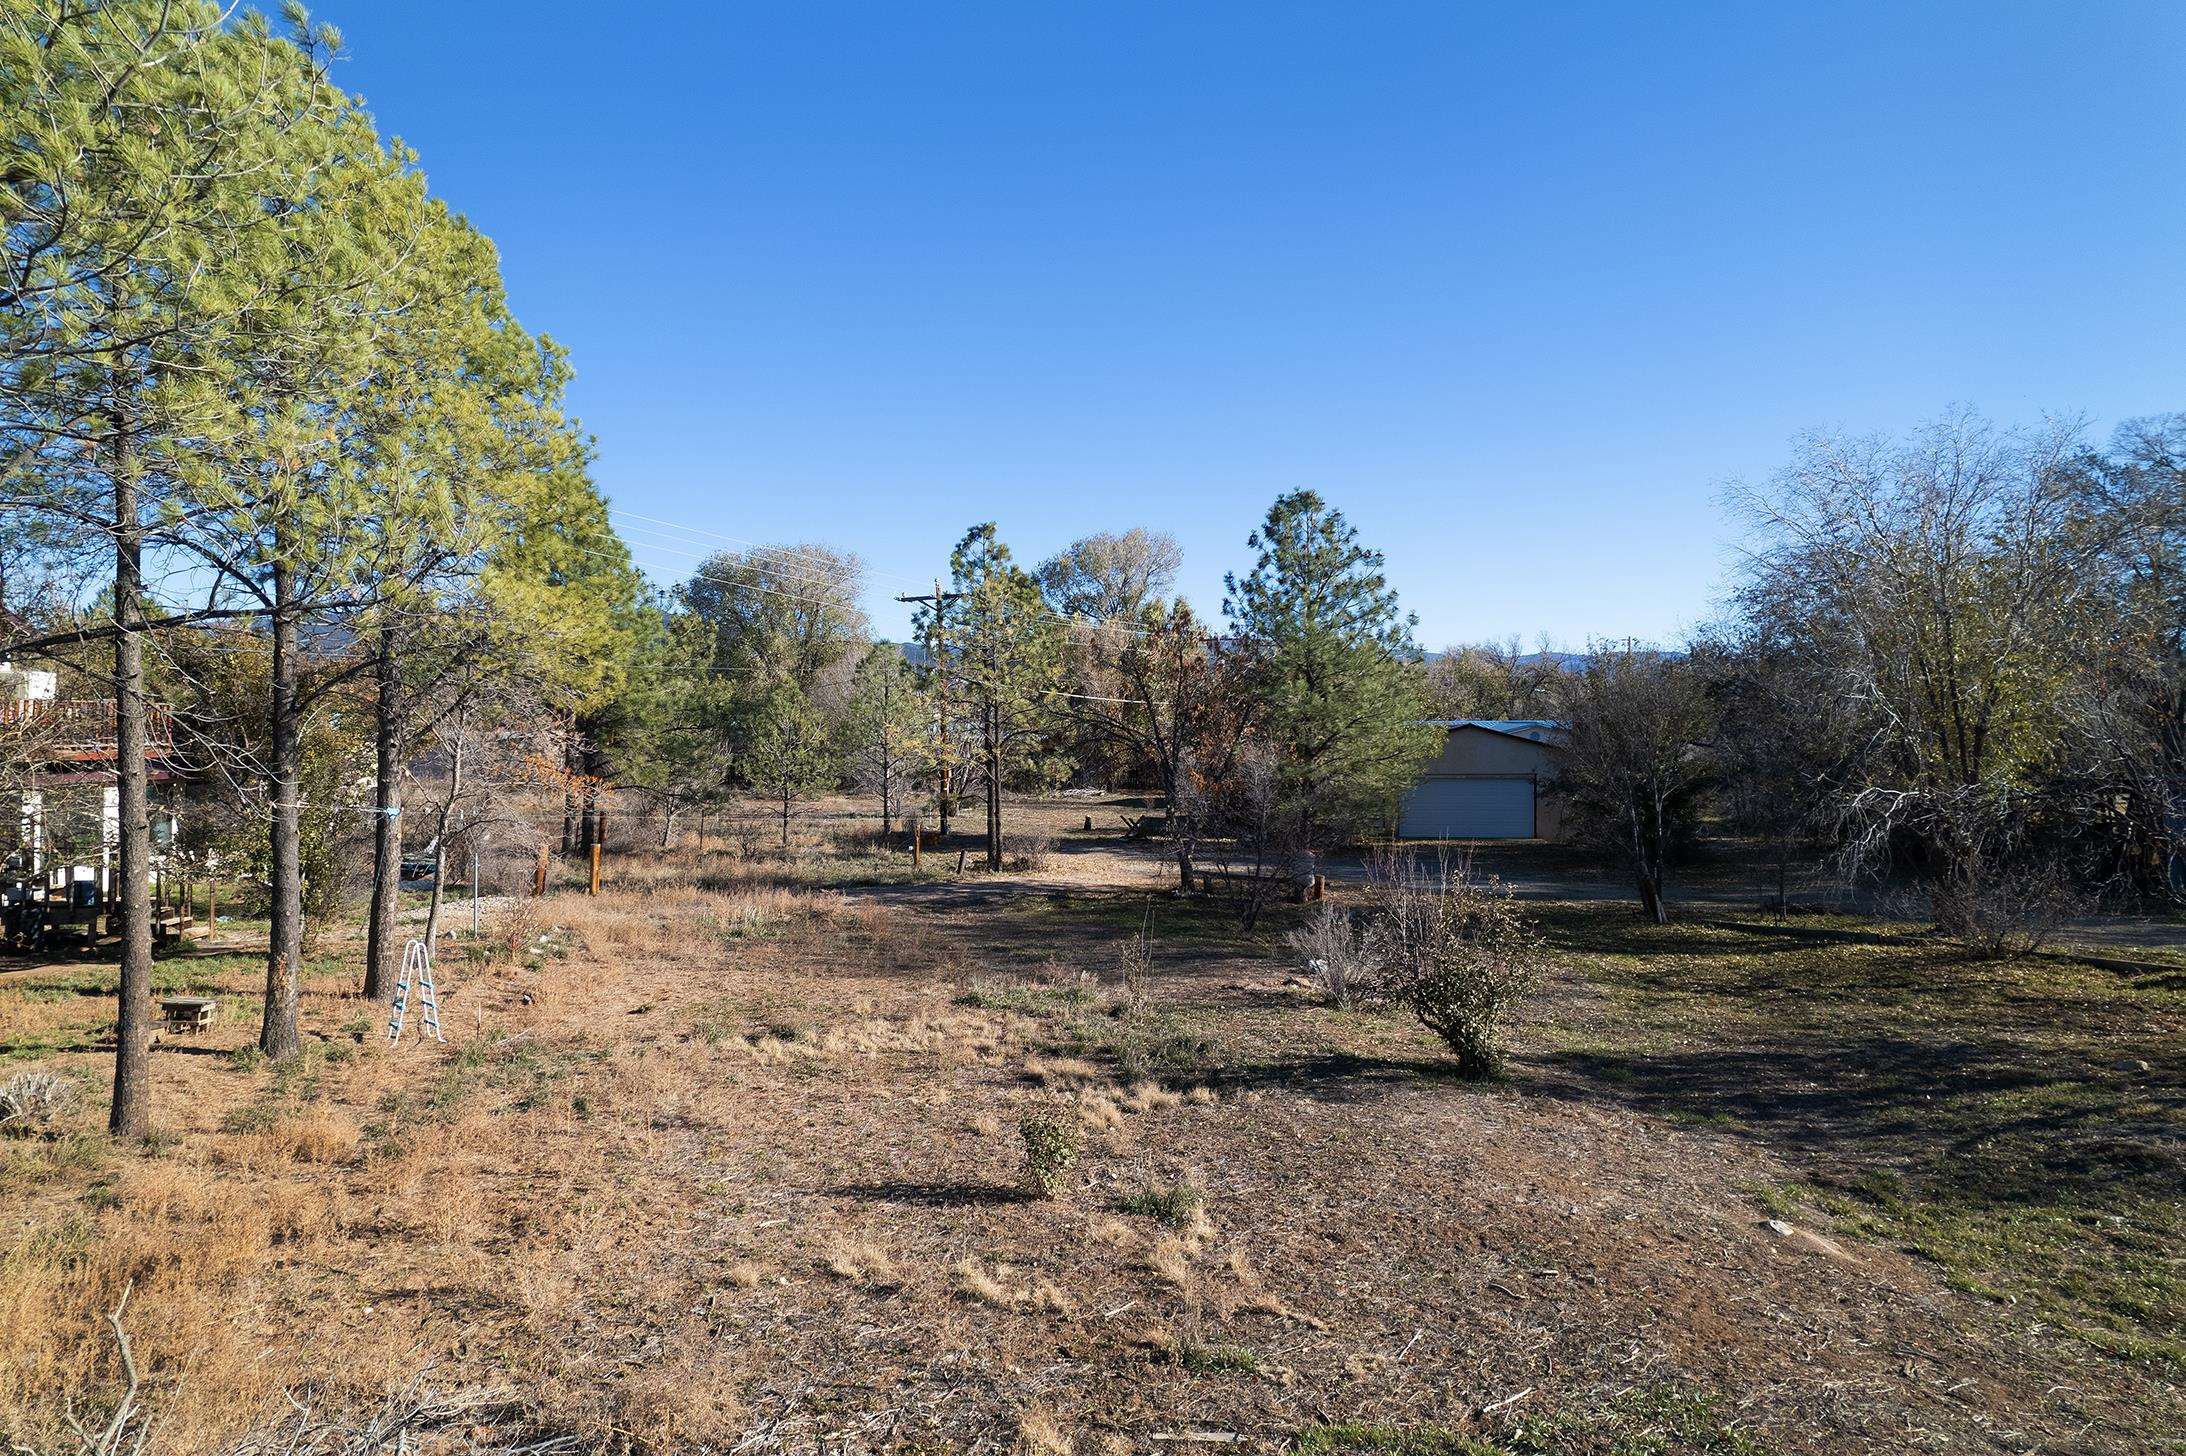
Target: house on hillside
1486 783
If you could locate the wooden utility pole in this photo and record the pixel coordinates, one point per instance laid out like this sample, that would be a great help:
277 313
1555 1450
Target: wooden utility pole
935 636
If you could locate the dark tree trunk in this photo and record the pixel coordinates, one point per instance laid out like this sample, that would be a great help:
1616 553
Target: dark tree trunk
130 1115
383 950
994 788
278 1035
887 800
785 821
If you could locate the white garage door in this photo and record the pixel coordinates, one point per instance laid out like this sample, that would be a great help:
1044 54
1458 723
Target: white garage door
1468 809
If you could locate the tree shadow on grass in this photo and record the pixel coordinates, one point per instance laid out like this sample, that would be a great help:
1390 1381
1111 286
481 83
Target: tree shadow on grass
1337 1076
934 1195
1967 1118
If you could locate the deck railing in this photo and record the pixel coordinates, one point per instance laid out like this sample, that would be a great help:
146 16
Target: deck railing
78 728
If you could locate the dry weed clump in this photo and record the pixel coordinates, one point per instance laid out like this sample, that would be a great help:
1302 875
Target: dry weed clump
1038 1434
860 1261
1001 1289
1061 1071
32 1102
1151 1097
1028 849
1337 952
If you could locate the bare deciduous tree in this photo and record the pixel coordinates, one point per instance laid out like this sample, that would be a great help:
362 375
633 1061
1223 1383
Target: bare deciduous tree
1933 587
1634 764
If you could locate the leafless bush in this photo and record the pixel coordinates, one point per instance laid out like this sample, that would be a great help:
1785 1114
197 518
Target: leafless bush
1135 960
1336 951
2001 912
1028 849
1456 953
31 1101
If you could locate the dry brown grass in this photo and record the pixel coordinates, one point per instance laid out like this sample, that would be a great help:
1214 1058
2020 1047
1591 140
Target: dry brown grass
495 1169
1005 1288
718 1157
1040 1434
861 1261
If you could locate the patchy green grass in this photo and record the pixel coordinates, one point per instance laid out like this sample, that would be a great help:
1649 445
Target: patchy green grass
1217 1359
1353 1438
1168 1203
2018 1124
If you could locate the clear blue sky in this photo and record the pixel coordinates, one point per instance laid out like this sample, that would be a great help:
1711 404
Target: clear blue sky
1516 287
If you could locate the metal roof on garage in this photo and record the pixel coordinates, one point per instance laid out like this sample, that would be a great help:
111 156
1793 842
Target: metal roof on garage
1533 730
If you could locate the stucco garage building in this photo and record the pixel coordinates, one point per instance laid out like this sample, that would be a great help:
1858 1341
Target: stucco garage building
1486 782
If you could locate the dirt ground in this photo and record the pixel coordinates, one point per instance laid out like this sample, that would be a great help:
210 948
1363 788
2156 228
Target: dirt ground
729 1158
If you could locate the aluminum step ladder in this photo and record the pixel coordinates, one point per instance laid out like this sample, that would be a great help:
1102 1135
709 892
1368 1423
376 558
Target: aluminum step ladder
417 974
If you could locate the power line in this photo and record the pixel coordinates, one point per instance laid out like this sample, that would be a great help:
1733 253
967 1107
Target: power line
784 551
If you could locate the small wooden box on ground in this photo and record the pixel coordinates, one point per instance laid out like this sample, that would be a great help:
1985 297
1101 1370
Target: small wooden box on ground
188 1013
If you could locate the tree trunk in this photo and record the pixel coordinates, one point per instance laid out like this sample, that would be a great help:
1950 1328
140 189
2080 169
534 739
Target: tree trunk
278 1036
994 788
130 1115
785 821
383 948
887 777
440 867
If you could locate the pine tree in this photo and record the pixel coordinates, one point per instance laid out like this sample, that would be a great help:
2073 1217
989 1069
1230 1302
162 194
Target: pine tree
790 754
884 728
1342 696
999 653
142 137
